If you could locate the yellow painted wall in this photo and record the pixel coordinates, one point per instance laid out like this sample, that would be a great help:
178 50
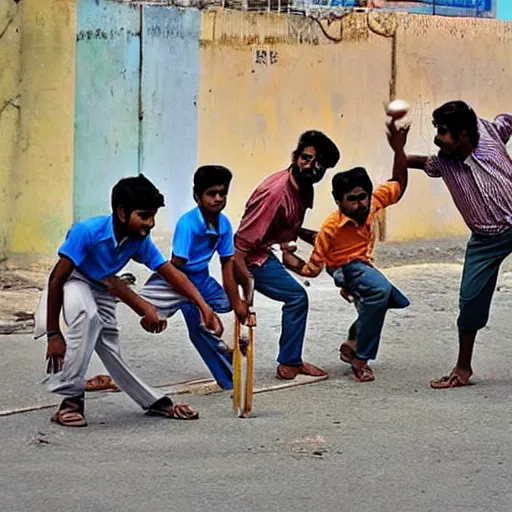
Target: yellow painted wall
43 171
441 59
250 115
10 48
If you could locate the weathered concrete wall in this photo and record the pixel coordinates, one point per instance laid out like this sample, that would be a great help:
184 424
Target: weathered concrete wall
107 102
220 86
169 94
440 59
10 59
41 177
250 114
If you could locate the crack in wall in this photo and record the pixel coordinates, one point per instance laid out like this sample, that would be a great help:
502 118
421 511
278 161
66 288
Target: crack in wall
11 102
10 19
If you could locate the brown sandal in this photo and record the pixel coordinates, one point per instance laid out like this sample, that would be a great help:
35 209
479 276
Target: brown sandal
70 414
101 383
364 374
449 381
164 407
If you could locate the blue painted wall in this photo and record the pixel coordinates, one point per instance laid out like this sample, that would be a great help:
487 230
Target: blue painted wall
107 102
504 10
136 107
170 81
472 8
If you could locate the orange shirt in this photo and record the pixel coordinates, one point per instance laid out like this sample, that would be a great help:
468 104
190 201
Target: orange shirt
341 240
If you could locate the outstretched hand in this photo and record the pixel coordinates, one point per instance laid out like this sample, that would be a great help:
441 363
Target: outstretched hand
397 137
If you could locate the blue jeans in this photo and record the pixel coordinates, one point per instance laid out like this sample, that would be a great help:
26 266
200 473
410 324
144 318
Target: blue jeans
167 301
273 280
375 295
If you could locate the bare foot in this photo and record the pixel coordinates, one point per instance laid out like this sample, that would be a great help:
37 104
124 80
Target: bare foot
348 351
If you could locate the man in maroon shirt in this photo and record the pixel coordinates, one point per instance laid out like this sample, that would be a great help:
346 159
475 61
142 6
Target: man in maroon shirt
274 215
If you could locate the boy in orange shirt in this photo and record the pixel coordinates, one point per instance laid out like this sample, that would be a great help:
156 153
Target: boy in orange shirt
345 244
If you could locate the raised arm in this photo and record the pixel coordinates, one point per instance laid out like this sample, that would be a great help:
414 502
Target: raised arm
397 138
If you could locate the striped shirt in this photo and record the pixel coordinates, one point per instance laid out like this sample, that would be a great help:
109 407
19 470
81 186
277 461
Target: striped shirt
481 186
273 215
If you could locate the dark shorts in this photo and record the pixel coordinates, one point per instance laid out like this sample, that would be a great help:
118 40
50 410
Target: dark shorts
484 255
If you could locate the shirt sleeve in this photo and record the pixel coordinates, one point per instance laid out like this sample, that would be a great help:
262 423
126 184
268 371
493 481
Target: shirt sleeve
503 124
183 239
316 262
259 213
386 194
77 245
150 255
226 246
432 167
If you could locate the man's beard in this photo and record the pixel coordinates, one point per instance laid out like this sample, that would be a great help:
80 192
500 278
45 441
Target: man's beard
360 216
306 178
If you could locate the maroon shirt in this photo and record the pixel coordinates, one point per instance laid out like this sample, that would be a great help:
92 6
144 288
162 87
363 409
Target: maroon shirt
273 215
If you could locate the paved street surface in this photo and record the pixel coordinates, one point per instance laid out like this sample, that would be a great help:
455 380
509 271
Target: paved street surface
391 445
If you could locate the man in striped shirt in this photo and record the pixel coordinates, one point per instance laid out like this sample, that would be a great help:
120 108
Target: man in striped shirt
274 215
474 163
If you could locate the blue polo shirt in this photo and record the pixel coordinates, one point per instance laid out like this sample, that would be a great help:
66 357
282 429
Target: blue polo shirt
92 246
197 242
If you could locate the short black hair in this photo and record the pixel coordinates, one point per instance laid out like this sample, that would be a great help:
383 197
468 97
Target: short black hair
208 176
328 152
458 116
136 193
344 182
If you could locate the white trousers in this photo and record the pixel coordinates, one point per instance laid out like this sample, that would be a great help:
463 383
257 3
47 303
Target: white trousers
89 313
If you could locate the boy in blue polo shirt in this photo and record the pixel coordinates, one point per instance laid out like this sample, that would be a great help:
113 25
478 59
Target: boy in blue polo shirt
200 233
84 286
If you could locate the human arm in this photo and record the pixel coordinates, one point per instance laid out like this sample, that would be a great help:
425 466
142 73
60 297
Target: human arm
150 255
315 264
308 235
397 138
120 288
417 161
239 305
226 251
56 348
503 124
72 253
181 283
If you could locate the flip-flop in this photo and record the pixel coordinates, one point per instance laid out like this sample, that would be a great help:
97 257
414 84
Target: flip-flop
448 381
174 411
70 414
364 374
101 383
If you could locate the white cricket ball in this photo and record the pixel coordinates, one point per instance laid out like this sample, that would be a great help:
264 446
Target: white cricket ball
397 109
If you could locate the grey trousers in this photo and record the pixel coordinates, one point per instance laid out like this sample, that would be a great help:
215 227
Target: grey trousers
89 312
